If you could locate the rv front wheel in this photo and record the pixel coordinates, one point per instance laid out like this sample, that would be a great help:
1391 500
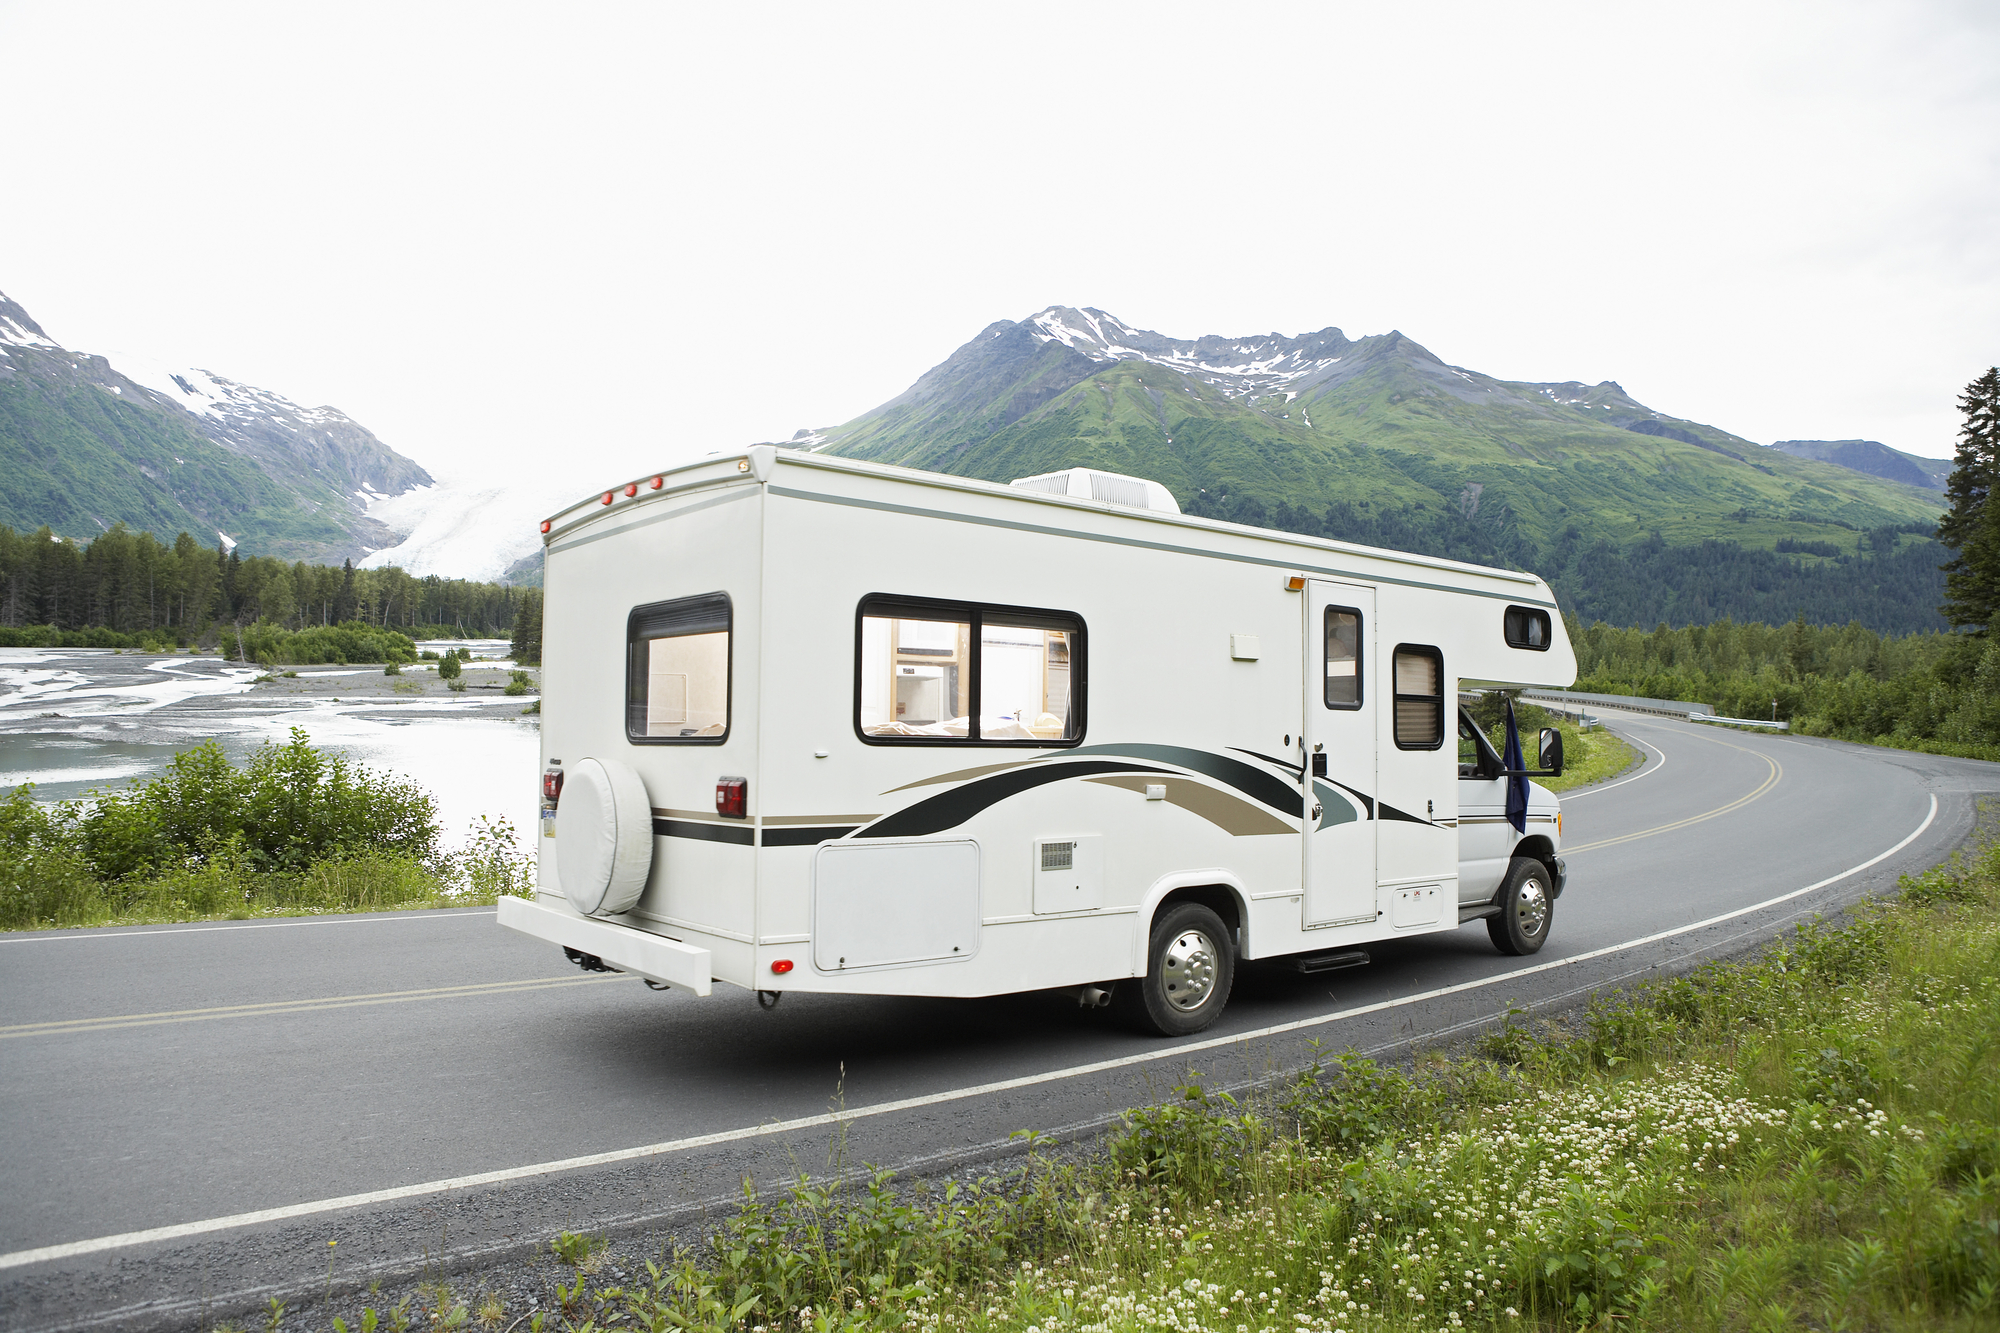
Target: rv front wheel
1527 905
1190 967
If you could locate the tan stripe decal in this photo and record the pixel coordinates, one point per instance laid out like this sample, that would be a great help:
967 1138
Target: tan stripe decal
962 775
820 819
1238 818
709 817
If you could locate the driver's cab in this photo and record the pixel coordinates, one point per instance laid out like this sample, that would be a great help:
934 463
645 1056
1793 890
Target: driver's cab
1487 843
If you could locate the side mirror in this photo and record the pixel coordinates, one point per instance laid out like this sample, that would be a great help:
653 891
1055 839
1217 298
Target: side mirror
1552 751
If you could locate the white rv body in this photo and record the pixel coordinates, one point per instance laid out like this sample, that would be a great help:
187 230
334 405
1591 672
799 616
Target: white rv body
1168 756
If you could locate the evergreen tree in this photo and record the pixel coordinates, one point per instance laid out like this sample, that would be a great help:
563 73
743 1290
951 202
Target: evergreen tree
1971 527
344 600
527 647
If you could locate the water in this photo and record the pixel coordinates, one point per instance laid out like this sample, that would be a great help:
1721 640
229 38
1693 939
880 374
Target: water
73 720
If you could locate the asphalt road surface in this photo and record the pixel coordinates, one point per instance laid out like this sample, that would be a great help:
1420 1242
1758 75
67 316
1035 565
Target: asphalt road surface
188 1114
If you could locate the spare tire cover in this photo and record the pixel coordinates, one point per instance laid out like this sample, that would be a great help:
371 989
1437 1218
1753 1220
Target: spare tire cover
604 837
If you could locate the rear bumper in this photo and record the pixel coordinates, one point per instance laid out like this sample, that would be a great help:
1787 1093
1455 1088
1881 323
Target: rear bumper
636 951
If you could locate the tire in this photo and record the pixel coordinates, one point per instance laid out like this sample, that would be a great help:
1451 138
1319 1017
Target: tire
1190 967
604 837
1527 908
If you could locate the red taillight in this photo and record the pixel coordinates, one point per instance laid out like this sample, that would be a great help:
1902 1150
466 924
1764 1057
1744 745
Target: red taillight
732 798
631 490
657 482
545 525
782 966
552 785
605 499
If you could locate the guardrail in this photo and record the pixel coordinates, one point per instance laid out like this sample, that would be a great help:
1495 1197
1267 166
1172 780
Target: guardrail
1678 709
1740 721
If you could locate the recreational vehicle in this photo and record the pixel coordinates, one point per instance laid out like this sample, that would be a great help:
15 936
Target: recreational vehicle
811 724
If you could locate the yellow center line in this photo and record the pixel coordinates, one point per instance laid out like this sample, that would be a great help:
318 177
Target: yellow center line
291 1006
1776 776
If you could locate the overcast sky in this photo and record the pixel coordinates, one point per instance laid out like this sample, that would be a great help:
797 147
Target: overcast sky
599 239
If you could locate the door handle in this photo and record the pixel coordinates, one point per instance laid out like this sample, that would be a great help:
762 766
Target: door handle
1319 765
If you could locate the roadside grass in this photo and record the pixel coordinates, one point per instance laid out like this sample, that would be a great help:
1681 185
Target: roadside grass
224 888
1588 757
1808 1139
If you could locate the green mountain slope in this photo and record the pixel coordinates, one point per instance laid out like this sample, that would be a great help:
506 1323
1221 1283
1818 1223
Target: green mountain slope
1379 440
83 446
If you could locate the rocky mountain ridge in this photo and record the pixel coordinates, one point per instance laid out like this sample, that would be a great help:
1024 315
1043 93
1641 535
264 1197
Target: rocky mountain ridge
86 443
1874 458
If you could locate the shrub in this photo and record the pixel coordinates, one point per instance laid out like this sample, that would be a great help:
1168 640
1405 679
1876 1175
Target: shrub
494 864
44 877
290 806
519 682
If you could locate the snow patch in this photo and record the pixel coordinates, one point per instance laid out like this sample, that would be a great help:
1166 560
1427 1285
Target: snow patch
13 333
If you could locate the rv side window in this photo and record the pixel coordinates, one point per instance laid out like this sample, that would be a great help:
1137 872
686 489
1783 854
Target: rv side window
1419 697
677 671
957 673
1343 657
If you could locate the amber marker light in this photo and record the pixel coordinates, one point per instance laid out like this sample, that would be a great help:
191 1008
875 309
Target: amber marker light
1296 583
782 966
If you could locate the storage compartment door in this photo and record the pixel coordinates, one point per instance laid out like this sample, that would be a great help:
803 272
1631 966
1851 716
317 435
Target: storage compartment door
879 904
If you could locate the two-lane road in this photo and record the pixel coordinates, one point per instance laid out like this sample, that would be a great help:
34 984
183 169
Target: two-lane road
188 1114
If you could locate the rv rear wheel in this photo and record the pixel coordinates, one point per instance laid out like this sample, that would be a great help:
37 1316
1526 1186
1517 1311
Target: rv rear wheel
1190 966
1527 906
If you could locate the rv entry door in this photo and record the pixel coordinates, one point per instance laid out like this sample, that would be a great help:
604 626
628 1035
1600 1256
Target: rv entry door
1341 689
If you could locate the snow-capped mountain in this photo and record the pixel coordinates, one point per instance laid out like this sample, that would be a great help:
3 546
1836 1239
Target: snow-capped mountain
91 440
1375 439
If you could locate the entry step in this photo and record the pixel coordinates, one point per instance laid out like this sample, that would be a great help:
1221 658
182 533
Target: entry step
1328 962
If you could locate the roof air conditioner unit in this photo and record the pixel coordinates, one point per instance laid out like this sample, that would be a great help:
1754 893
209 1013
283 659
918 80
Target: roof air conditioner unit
1087 483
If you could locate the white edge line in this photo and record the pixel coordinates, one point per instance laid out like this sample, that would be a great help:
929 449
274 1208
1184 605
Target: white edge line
114 933
1565 798
182 1230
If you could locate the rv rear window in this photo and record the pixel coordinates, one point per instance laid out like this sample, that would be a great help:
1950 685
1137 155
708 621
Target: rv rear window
677 672
958 673
1419 697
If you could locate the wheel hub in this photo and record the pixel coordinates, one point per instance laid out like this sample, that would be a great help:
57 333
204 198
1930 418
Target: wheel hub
1531 908
1188 970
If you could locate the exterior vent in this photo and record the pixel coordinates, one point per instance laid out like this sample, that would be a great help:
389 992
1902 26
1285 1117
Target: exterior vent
1058 855
1087 483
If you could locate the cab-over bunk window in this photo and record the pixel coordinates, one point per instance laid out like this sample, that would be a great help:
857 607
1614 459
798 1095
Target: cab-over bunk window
931 672
677 672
